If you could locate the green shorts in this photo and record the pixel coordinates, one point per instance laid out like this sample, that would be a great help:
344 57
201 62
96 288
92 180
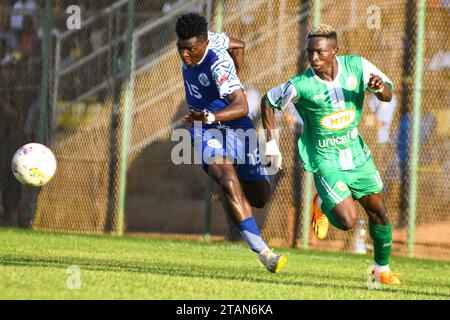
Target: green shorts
334 186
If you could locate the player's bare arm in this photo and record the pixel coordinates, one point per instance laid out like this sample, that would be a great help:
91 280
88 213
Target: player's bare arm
237 52
237 108
382 91
267 118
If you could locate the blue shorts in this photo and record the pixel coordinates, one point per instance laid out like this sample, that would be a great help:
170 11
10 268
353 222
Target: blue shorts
239 146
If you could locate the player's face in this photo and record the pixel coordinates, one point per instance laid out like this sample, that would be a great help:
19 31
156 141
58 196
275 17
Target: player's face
192 50
321 53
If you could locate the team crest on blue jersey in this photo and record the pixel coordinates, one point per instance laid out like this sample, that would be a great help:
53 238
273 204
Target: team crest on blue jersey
203 78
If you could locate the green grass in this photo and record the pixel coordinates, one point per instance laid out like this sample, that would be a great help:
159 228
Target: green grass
33 265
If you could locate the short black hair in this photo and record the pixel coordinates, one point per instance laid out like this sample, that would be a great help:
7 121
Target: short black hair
191 25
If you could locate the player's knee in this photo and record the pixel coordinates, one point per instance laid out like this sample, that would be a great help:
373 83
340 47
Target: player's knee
258 203
380 216
348 218
257 195
262 199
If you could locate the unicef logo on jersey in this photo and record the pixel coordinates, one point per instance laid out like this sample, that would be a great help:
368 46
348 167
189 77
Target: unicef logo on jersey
203 78
341 140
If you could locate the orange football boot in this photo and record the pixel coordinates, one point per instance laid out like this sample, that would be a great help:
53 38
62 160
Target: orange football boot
319 221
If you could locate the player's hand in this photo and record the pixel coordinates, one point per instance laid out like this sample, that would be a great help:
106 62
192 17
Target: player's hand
197 115
186 119
375 82
274 155
193 116
202 116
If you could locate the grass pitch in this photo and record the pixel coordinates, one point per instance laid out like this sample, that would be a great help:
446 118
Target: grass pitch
34 265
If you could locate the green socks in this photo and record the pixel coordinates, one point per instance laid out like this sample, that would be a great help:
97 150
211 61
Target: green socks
381 236
382 242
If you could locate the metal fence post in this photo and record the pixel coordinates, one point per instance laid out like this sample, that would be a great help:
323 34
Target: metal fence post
125 115
418 76
45 72
56 79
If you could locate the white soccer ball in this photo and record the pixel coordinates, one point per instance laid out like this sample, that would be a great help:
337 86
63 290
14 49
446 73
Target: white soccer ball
34 164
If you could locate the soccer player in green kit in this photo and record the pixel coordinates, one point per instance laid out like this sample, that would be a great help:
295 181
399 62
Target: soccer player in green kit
329 97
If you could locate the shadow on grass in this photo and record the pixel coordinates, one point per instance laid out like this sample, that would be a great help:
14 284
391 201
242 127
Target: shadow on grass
200 271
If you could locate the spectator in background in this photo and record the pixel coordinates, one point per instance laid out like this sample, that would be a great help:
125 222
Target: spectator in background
427 127
11 131
28 38
5 55
381 117
7 34
398 170
383 113
20 9
440 61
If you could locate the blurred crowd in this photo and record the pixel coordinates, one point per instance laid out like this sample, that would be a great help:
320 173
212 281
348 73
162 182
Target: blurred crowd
21 57
20 71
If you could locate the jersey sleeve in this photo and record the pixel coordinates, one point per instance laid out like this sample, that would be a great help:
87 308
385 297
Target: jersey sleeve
225 77
280 97
369 68
219 39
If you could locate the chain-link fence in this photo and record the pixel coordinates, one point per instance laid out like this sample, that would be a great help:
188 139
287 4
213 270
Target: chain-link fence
88 126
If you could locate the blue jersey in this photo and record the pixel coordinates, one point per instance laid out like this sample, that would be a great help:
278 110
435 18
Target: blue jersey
212 79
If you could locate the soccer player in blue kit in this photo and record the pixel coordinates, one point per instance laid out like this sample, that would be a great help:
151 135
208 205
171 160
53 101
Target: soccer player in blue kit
218 109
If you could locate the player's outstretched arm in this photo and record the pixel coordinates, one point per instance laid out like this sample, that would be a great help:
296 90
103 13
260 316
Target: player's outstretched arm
237 52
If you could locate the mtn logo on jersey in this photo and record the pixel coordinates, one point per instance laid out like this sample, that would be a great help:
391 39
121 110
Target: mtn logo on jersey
338 120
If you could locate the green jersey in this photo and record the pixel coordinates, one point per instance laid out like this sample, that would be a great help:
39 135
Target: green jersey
331 111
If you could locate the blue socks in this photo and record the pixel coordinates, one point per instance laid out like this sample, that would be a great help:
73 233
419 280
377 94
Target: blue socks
251 234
